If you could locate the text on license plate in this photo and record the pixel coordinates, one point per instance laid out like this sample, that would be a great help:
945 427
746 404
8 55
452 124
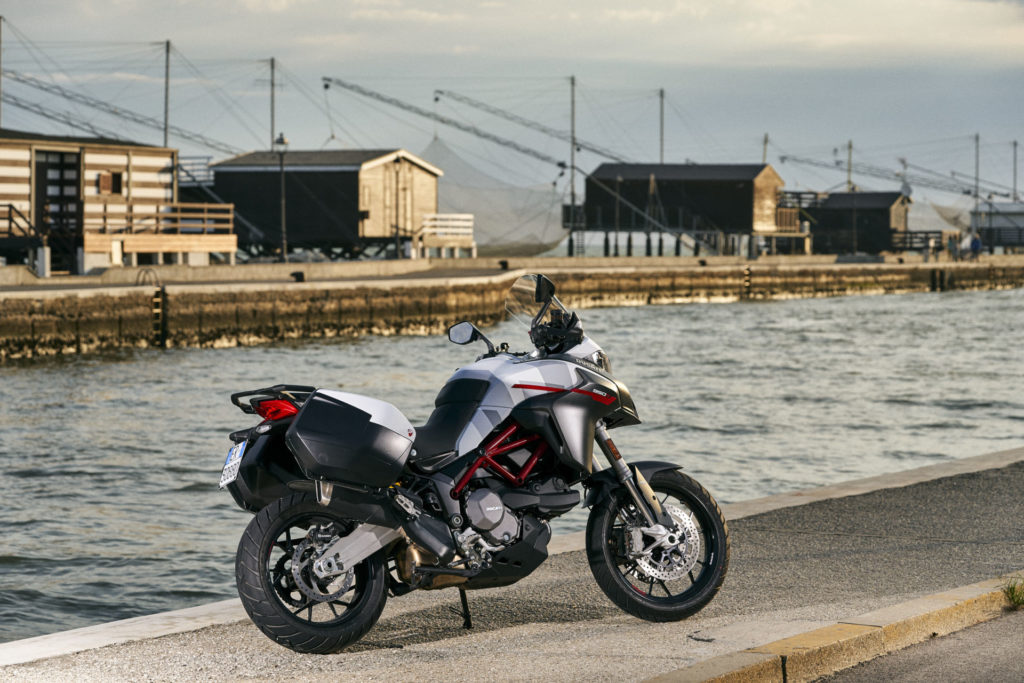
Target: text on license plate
231 464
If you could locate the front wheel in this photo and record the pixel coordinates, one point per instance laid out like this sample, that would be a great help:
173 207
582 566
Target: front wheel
660 574
284 596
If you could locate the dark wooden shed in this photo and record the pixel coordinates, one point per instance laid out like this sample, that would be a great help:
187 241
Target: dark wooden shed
335 200
729 198
852 222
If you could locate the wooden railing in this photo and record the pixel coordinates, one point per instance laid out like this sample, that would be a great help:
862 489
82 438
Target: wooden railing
447 225
917 240
16 223
178 218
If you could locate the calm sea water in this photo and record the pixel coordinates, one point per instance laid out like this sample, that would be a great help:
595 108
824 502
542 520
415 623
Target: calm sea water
108 485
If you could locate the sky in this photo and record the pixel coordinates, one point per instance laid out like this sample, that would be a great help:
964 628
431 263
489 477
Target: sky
912 79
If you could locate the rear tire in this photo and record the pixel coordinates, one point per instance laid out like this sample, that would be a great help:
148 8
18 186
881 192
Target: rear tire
275 601
629 583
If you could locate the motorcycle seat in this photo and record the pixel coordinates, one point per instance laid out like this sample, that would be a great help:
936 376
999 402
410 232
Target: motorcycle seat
454 407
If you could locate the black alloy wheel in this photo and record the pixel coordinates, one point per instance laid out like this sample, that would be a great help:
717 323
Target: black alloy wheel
674 581
285 598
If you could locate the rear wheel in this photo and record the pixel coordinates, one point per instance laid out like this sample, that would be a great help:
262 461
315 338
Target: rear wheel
663 576
282 594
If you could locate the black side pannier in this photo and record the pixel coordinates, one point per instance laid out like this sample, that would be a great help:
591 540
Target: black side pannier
337 441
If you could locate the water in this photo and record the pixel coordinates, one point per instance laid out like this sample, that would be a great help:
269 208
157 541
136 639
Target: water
108 496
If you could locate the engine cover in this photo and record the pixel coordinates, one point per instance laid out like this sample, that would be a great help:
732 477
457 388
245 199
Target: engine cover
488 515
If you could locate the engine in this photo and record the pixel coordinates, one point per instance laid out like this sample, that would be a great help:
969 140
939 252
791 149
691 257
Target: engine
486 513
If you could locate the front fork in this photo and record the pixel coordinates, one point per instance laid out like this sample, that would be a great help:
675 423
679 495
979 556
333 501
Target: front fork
639 490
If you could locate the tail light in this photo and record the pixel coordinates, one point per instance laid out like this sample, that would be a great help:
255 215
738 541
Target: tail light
275 409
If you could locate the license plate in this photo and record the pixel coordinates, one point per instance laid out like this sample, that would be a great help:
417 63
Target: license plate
231 464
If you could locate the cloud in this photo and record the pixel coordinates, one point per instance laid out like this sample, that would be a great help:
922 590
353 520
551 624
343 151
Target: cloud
686 33
276 6
408 15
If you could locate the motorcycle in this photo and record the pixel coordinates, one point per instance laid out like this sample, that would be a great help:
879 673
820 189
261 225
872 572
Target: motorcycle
353 504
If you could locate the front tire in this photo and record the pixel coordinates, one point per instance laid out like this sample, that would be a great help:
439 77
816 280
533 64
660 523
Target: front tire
295 608
671 583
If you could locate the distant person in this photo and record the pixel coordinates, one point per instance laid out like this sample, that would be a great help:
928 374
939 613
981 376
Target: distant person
954 248
975 247
930 251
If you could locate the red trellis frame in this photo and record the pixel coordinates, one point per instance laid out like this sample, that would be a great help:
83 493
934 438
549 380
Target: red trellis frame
496 447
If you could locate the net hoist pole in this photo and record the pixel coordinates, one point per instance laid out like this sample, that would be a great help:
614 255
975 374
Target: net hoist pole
167 89
427 114
1 69
1016 197
148 121
977 169
271 102
849 166
572 155
527 123
661 125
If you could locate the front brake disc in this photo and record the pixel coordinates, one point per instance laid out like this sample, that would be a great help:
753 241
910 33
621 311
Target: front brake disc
667 562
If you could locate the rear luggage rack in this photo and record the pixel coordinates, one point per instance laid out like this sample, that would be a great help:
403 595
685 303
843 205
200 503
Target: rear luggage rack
295 393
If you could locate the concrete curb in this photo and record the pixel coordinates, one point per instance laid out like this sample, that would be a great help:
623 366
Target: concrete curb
123 631
823 651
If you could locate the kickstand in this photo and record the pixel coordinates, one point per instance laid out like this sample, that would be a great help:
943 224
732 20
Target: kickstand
467 620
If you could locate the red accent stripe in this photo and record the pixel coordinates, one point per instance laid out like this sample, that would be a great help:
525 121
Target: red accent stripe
537 387
603 400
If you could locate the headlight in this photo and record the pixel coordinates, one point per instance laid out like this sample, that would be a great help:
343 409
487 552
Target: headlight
600 359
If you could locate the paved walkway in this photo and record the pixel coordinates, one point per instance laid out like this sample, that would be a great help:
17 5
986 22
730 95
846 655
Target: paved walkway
793 570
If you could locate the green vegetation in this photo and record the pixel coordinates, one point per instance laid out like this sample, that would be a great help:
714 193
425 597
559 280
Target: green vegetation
1014 591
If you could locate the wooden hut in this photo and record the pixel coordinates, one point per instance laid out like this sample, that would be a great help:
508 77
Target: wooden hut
342 202
720 203
857 222
92 203
725 197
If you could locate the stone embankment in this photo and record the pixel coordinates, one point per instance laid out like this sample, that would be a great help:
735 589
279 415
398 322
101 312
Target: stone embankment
75 316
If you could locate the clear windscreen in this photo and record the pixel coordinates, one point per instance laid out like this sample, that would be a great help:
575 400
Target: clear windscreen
521 301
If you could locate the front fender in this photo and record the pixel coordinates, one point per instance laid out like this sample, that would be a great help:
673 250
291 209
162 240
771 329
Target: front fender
605 483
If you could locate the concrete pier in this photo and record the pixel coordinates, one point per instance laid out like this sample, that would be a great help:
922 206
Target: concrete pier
819 580
246 305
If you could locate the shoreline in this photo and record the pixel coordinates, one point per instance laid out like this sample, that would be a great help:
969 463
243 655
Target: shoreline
349 300
229 611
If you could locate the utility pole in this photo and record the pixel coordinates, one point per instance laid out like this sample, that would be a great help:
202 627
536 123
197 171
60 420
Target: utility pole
281 146
661 122
849 166
1016 197
272 128
167 89
2 70
572 156
764 150
398 200
618 197
977 169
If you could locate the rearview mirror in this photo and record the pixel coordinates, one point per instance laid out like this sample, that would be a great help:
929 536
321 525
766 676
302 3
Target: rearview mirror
545 289
463 333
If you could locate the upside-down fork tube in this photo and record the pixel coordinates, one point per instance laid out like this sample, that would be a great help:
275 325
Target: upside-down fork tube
496 447
639 490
